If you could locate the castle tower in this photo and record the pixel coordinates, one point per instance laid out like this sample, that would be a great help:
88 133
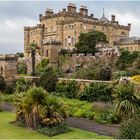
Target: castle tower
26 40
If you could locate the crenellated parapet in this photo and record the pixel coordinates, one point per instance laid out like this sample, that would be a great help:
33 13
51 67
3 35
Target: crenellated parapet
4 57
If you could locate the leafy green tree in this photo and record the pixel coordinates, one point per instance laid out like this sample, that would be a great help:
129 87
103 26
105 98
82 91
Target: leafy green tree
22 85
41 66
21 68
48 79
19 54
88 41
127 59
127 102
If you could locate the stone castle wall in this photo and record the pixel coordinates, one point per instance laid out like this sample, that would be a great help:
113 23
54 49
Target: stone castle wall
8 67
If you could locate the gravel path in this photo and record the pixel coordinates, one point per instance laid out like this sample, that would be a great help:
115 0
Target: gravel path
103 129
7 107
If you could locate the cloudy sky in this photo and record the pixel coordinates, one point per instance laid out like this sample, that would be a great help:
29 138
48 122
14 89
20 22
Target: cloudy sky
14 15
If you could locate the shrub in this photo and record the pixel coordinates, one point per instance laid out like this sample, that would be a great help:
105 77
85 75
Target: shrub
130 129
104 113
22 85
54 130
8 98
97 92
67 89
77 108
48 79
136 78
118 74
10 88
127 100
22 67
41 66
2 83
105 74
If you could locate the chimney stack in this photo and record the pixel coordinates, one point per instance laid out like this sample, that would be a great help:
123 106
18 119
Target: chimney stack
129 25
40 16
83 10
71 8
92 15
49 12
113 18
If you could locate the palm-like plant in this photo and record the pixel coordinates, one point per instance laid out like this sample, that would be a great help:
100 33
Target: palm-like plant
32 49
35 97
37 108
127 100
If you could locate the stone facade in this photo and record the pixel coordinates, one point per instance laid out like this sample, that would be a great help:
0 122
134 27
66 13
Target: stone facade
130 43
8 67
65 27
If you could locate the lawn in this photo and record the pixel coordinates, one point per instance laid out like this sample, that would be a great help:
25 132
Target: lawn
12 131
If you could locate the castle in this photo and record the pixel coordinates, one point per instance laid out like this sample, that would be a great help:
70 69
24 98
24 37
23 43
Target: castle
62 29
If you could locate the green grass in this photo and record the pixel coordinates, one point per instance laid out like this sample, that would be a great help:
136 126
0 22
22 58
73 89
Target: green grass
11 131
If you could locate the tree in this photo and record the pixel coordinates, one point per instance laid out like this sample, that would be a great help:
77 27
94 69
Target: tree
22 67
41 66
127 100
19 54
48 79
88 41
127 59
36 108
33 48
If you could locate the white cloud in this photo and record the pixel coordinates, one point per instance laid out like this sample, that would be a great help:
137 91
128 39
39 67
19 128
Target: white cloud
12 34
125 18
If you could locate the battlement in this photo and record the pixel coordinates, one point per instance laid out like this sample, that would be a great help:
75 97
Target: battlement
8 57
27 28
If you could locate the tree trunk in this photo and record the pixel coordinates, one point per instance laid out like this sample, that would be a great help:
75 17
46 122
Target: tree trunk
33 62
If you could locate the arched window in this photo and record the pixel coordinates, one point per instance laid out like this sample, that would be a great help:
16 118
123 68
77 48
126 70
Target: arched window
72 41
94 28
46 53
65 42
69 40
123 33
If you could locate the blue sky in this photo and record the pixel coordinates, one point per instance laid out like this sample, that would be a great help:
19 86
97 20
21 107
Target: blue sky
14 15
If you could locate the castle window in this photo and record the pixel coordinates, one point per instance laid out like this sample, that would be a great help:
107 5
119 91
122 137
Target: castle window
69 26
69 40
65 42
47 53
123 33
103 29
72 41
65 27
81 25
51 29
31 33
85 27
46 29
94 28
72 27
